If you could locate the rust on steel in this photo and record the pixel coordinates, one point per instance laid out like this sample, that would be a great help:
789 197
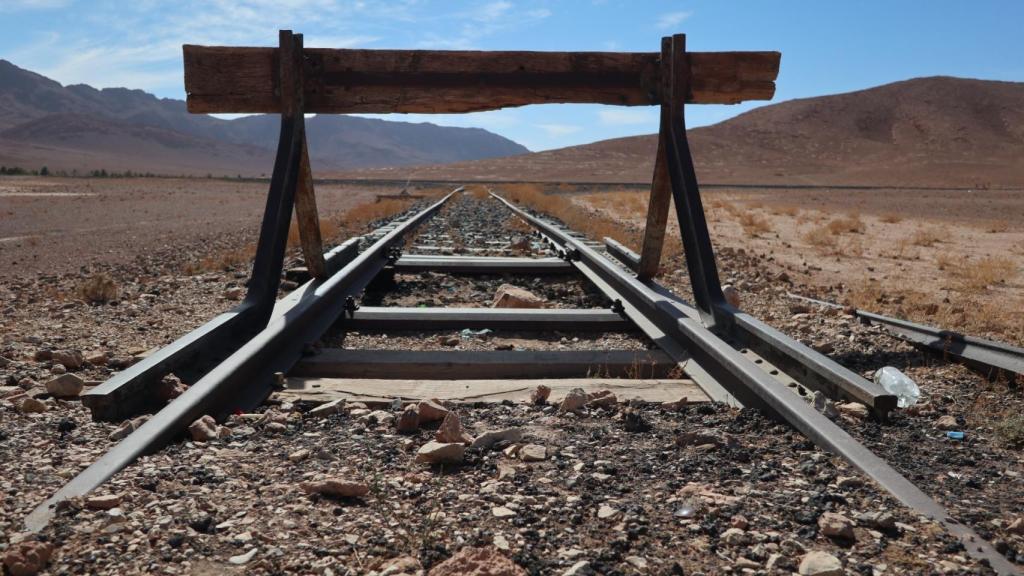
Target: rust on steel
222 79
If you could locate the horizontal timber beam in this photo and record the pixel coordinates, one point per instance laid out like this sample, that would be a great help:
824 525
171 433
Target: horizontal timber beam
220 79
463 364
375 391
494 318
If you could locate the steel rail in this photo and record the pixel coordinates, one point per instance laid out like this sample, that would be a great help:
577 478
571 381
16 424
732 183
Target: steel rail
987 355
814 369
745 379
246 377
481 265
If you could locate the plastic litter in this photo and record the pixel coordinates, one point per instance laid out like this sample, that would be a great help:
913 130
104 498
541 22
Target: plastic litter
898 384
466 333
953 435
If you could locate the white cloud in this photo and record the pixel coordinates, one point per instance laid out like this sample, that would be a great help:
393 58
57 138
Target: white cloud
559 129
628 116
672 19
491 11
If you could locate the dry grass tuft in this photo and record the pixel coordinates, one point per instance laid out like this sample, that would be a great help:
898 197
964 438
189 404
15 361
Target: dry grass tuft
1010 431
821 237
979 275
850 224
927 236
754 224
98 289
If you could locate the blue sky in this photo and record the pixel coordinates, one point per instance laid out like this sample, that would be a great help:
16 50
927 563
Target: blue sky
827 46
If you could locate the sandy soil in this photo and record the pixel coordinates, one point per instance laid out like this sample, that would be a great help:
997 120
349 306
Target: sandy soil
949 258
759 490
56 225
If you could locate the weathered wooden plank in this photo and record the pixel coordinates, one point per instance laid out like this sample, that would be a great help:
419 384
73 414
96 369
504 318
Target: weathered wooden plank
459 364
379 391
658 204
243 80
308 218
389 318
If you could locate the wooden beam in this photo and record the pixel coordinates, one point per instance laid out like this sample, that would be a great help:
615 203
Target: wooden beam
308 218
379 392
244 80
660 187
293 104
543 319
461 364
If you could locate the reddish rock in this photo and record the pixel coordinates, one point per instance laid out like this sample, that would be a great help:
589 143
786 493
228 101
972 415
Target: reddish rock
431 411
487 561
204 429
573 401
509 296
27 558
540 395
65 386
337 487
451 431
409 420
71 359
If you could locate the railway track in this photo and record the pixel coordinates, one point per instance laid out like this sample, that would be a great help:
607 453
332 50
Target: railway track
665 352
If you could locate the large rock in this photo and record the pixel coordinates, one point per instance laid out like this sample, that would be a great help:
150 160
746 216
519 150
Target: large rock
402 566
492 437
509 296
31 406
836 525
71 359
409 420
819 563
27 558
103 502
574 401
451 430
441 453
204 429
66 386
431 411
338 487
533 453
486 561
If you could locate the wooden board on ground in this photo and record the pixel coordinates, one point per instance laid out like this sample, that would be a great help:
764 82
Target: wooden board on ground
471 364
372 391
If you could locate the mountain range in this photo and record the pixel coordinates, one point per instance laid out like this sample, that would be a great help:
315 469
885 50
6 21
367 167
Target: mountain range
81 128
933 132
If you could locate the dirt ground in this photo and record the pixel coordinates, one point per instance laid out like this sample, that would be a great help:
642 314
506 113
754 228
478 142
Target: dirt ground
950 258
56 225
750 500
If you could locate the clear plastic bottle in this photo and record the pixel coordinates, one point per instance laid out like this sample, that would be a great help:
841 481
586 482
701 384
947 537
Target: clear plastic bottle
898 384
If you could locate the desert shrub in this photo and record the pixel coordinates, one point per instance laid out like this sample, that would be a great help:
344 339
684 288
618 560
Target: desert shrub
927 236
1010 431
821 237
98 289
754 224
974 276
848 224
